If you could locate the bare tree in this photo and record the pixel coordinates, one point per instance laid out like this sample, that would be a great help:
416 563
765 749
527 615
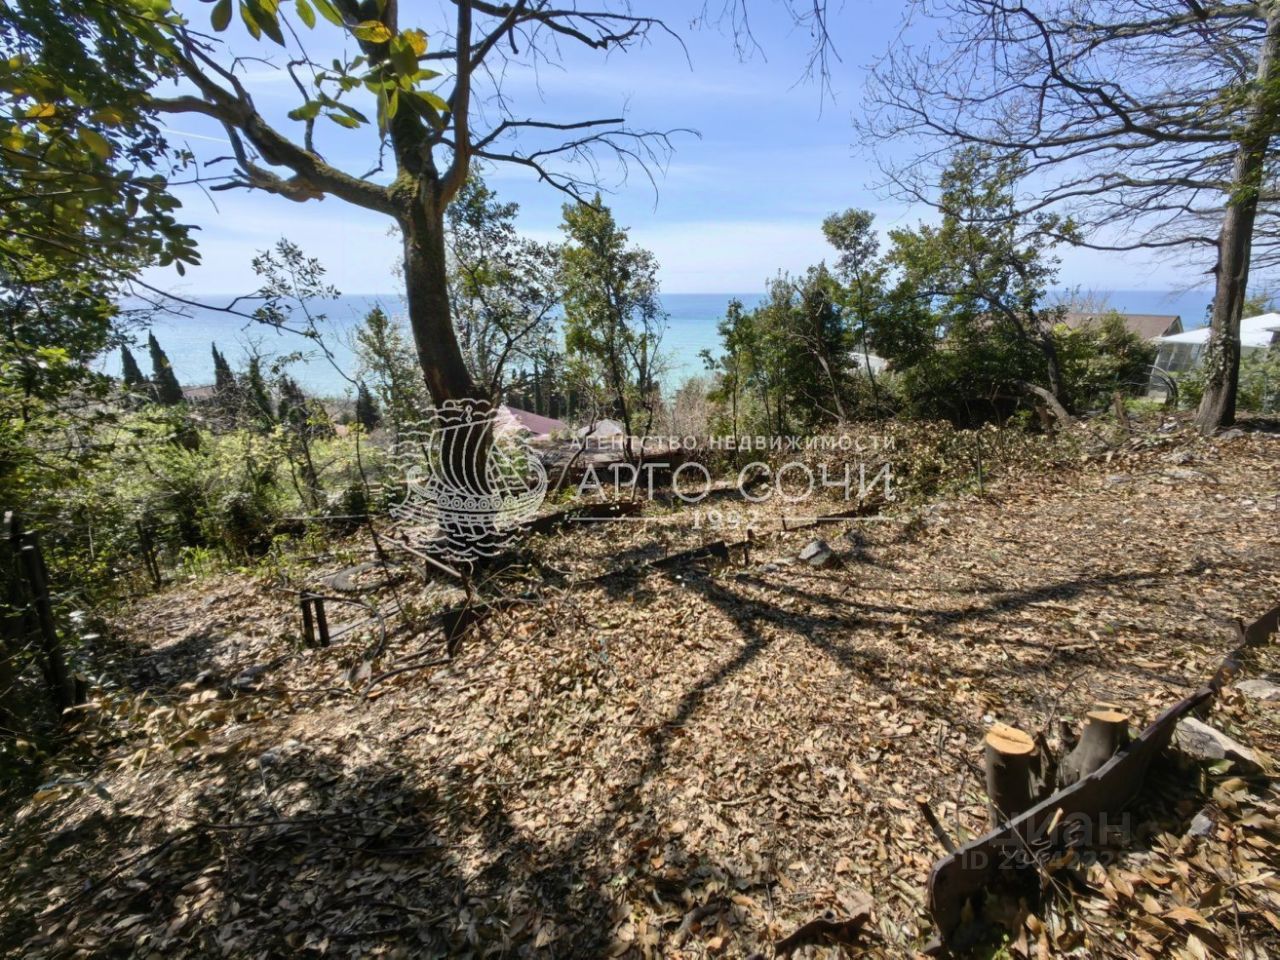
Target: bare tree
432 125
1150 121
431 136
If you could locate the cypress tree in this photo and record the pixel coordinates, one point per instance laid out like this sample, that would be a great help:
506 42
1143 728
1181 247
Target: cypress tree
258 398
293 404
132 373
223 379
367 413
164 381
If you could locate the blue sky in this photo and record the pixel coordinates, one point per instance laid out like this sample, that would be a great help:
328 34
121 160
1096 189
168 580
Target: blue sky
732 207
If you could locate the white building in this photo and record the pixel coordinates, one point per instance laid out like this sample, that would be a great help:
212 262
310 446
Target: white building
1182 351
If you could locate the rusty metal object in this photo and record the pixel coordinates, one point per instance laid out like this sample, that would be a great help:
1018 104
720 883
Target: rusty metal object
1260 631
868 507
717 551
1074 816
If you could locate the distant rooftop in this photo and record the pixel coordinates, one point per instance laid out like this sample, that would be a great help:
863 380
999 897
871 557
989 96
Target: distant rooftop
536 424
203 392
1148 326
1256 332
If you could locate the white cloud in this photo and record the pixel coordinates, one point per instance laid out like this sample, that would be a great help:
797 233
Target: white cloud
735 256
358 248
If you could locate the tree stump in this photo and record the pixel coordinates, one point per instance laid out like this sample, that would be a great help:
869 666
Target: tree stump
1121 412
1106 730
1011 764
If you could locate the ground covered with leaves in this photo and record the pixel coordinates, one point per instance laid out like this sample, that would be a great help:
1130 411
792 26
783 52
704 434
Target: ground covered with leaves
681 761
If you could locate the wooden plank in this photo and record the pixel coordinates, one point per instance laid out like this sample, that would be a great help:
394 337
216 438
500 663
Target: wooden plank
590 512
717 551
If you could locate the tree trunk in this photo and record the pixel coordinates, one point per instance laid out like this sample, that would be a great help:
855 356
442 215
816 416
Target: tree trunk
835 387
1010 755
1106 729
1235 242
465 426
1051 403
426 284
1053 368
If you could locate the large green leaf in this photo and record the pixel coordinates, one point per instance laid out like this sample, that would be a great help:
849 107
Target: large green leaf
308 111
328 11
371 31
221 16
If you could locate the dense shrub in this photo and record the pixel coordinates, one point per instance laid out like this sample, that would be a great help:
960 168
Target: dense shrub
971 378
1259 383
1101 358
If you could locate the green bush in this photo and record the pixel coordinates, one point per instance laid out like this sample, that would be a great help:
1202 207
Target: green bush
1100 358
1259 389
970 379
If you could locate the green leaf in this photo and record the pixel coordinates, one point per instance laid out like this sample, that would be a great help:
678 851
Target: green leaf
371 31
351 112
328 11
96 142
308 111
246 15
403 57
434 99
264 11
306 14
349 122
221 16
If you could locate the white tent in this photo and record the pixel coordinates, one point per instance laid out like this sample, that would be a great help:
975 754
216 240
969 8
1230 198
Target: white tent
1182 351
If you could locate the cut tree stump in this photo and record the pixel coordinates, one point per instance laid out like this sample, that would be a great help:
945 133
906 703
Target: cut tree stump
1106 730
1011 763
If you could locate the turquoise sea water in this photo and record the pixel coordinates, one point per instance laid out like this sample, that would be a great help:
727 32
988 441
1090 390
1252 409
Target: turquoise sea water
691 328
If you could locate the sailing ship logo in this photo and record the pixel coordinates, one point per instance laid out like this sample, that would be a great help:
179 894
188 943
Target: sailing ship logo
473 481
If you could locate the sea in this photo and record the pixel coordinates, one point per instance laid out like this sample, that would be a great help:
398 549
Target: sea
188 335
